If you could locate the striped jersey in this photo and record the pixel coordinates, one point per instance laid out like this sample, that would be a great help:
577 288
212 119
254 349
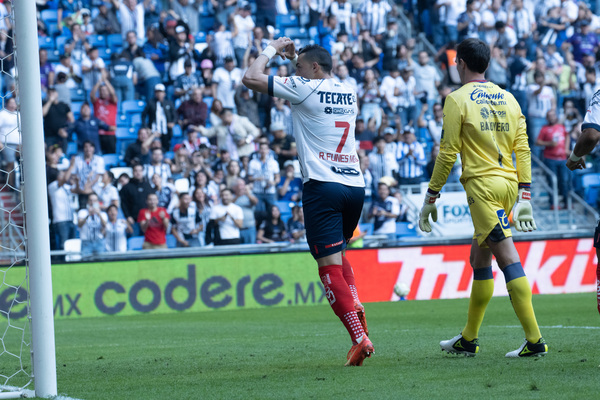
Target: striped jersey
324 113
485 125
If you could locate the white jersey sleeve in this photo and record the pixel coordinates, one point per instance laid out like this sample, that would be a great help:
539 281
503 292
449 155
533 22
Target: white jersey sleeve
324 113
592 115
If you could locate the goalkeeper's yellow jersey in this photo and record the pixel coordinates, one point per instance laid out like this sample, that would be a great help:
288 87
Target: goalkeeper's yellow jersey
485 125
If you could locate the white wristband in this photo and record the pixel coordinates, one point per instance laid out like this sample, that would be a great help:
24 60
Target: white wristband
269 51
573 157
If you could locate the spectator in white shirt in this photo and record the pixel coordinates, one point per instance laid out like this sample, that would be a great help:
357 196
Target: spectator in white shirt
116 230
89 168
10 138
91 222
264 173
92 68
157 166
225 80
109 195
228 218
385 210
245 25
59 192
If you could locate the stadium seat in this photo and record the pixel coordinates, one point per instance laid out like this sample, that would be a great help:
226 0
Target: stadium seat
300 43
111 160
404 229
366 227
60 43
114 41
285 207
207 23
49 16
208 100
591 188
73 245
200 37
76 106
105 53
296 33
97 40
135 243
171 242
136 120
53 56
123 121
52 29
77 95
126 133
286 21
132 106
71 149
177 132
46 42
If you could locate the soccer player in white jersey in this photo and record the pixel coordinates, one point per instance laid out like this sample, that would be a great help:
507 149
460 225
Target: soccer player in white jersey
324 113
590 136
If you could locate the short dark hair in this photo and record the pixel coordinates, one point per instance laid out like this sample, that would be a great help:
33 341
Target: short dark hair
475 53
318 54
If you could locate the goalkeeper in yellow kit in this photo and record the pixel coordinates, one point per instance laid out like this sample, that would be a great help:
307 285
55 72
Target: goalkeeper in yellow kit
485 125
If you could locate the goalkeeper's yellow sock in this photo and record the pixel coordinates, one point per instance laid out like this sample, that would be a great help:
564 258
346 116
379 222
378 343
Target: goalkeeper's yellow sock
520 297
482 290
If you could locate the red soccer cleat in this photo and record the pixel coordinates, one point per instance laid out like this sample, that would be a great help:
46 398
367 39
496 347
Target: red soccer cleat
360 312
359 352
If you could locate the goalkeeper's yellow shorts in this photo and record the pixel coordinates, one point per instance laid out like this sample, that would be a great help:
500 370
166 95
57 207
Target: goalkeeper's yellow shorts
490 199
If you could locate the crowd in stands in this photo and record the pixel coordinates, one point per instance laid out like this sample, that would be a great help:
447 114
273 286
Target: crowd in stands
149 131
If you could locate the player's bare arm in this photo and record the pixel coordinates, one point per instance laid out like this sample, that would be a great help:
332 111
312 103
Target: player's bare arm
585 144
255 77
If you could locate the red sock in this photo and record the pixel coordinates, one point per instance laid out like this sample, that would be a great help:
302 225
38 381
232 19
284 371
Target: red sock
340 299
349 278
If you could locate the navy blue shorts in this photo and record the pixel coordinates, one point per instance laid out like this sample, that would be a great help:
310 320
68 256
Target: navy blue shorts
331 213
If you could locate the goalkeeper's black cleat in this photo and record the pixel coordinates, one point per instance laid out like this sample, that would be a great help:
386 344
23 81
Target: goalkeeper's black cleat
459 345
529 349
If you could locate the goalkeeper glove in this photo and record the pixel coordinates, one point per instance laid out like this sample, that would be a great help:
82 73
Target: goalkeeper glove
428 209
522 213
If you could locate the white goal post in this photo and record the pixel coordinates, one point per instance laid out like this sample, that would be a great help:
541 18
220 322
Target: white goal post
37 242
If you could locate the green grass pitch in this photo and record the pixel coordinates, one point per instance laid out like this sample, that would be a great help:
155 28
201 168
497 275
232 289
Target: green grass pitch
299 353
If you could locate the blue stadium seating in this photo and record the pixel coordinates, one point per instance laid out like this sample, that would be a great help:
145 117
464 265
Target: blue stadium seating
285 207
286 21
77 95
171 241
114 41
46 42
404 229
591 187
208 100
136 120
135 243
60 43
200 37
126 133
49 16
296 33
71 149
132 106
123 121
207 23
97 40
105 53
53 56
177 133
111 160
52 29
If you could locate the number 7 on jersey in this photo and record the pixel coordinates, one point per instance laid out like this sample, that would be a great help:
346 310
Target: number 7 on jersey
346 126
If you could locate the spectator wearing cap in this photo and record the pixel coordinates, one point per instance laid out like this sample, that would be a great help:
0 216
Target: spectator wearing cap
193 112
381 162
104 100
244 24
234 133
70 69
123 76
160 116
384 210
131 17
226 79
289 187
283 144
93 69
147 74
186 82
188 11
411 158
106 22
583 42
180 51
